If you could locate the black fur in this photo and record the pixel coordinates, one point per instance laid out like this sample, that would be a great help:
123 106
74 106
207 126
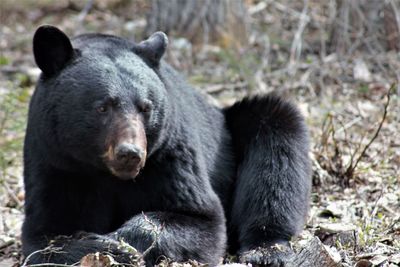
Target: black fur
53 48
245 168
273 172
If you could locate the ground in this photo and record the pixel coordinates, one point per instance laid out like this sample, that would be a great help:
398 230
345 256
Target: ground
355 211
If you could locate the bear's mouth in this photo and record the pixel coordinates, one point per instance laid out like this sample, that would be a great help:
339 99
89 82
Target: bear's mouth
126 174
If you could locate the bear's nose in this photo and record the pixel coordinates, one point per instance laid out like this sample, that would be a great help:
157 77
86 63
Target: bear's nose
126 153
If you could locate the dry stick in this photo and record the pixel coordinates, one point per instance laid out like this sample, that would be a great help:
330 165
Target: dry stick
157 230
348 125
375 208
396 11
25 263
85 10
337 153
4 120
367 24
291 11
372 38
50 264
329 132
350 145
326 126
397 14
221 87
257 8
11 193
7 244
344 25
337 156
295 50
350 170
358 147
391 227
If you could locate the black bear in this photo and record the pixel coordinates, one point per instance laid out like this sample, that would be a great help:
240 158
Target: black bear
119 147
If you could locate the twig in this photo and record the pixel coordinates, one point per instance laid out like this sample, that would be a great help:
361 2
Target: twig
350 170
375 207
45 250
295 50
85 10
349 125
285 8
4 119
155 229
11 193
221 87
343 128
7 244
49 264
358 147
396 12
392 225
258 7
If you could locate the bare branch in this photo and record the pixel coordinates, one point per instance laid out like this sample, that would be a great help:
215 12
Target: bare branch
350 170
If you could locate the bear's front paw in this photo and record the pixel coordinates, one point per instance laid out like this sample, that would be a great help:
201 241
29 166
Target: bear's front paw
121 251
84 243
271 256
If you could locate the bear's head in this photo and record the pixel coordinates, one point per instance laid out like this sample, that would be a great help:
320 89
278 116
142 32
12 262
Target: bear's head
101 97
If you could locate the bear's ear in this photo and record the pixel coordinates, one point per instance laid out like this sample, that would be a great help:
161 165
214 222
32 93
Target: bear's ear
153 48
52 49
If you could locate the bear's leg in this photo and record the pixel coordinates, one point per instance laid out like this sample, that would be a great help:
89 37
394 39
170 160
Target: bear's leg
175 236
271 197
69 250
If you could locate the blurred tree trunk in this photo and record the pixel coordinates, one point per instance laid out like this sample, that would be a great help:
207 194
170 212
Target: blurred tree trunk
206 21
373 24
392 24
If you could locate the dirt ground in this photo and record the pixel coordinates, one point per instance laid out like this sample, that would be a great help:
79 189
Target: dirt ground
355 206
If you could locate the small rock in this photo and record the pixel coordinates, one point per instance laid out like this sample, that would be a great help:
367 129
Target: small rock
336 227
363 263
361 71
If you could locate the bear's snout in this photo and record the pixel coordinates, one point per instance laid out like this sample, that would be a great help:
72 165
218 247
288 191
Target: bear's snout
126 160
129 154
126 147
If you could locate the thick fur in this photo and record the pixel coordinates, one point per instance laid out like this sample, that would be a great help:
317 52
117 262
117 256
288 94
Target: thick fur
273 172
203 171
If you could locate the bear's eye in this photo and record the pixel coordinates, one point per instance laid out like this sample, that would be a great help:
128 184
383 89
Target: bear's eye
102 109
116 103
145 107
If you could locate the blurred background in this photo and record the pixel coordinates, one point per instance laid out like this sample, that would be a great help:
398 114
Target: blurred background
339 60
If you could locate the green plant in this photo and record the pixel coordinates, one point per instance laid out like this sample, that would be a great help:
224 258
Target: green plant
13 113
